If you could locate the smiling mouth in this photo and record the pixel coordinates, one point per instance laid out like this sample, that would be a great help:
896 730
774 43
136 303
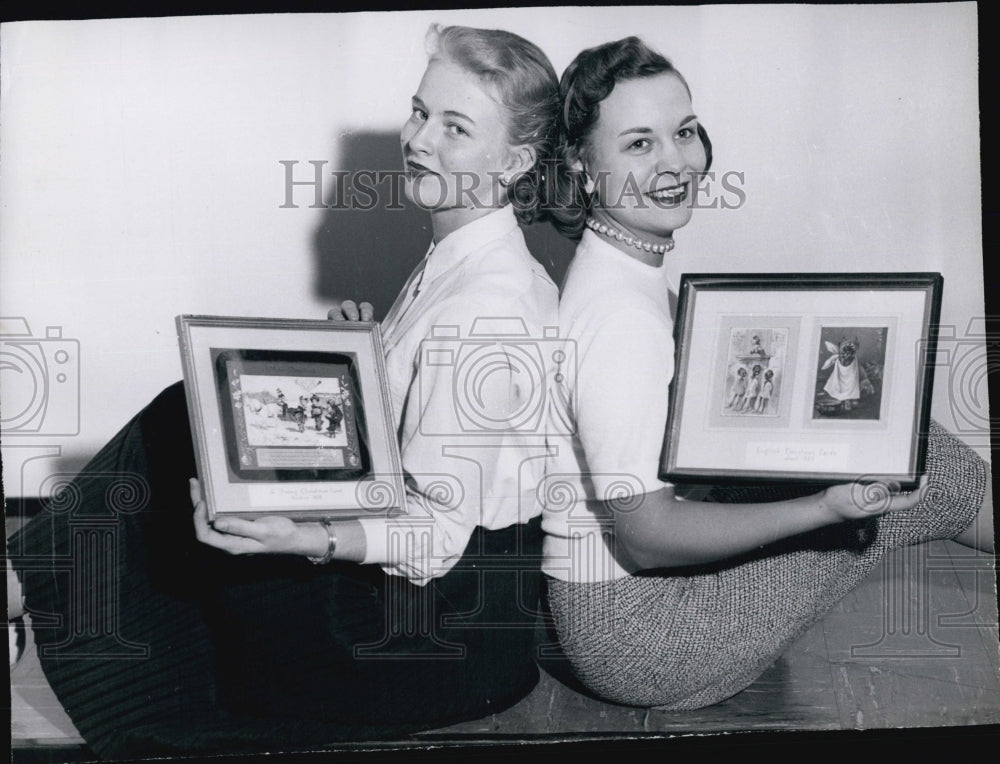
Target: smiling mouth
671 194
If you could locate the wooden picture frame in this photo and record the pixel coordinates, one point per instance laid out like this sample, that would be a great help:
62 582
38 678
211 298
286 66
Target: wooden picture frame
290 417
808 378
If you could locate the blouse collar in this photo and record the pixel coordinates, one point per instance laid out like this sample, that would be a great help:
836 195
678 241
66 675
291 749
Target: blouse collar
467 240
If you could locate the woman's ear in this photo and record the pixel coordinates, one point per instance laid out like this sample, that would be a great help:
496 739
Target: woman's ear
520 160
576 165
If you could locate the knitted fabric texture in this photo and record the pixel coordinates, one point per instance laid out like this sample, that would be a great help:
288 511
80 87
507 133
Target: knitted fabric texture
688 641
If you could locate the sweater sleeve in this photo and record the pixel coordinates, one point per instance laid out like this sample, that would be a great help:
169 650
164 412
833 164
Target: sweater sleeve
625 364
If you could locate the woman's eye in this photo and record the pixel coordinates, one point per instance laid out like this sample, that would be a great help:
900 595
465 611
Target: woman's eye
639 145
686 133
457 129
419 114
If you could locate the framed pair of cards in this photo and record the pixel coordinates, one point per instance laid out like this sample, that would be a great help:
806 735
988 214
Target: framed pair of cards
817 378
290 417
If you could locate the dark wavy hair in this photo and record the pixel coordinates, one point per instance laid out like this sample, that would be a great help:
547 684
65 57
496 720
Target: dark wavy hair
524 81
587 81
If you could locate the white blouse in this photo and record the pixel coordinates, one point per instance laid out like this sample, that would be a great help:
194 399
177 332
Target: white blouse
468 359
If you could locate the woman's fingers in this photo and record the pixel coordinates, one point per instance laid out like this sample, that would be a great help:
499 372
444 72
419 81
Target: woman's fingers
878 498
195 488
352 311
867 499
202 530
236 526
201 526
228 542
232 544
911 499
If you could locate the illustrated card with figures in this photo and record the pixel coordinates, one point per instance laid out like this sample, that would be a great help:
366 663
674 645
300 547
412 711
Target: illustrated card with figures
290 417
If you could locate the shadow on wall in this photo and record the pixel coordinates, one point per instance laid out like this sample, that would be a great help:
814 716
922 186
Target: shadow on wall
371 236
550 248
367 254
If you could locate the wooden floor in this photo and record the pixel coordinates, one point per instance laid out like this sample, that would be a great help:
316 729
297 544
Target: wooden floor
914 646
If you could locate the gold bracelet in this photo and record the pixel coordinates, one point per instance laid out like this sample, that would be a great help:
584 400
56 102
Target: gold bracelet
331 545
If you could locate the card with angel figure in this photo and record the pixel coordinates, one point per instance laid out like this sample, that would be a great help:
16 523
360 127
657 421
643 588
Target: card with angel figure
851 367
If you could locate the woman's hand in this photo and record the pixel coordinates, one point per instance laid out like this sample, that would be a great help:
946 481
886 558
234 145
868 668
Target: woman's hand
265 535
351 311
855 501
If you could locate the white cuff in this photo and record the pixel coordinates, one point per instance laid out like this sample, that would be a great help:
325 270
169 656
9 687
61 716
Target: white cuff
376 540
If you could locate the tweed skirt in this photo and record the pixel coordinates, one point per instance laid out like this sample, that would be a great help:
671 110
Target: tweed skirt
691 640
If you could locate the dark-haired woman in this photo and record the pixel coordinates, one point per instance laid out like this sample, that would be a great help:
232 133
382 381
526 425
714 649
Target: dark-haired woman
659 601
318 632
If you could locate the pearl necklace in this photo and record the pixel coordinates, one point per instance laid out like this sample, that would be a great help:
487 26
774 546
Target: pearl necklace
632 241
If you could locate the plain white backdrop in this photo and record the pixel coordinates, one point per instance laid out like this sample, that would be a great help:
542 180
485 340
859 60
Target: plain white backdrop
141 175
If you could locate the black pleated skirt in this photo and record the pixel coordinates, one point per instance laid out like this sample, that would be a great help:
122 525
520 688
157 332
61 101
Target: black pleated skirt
157 644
